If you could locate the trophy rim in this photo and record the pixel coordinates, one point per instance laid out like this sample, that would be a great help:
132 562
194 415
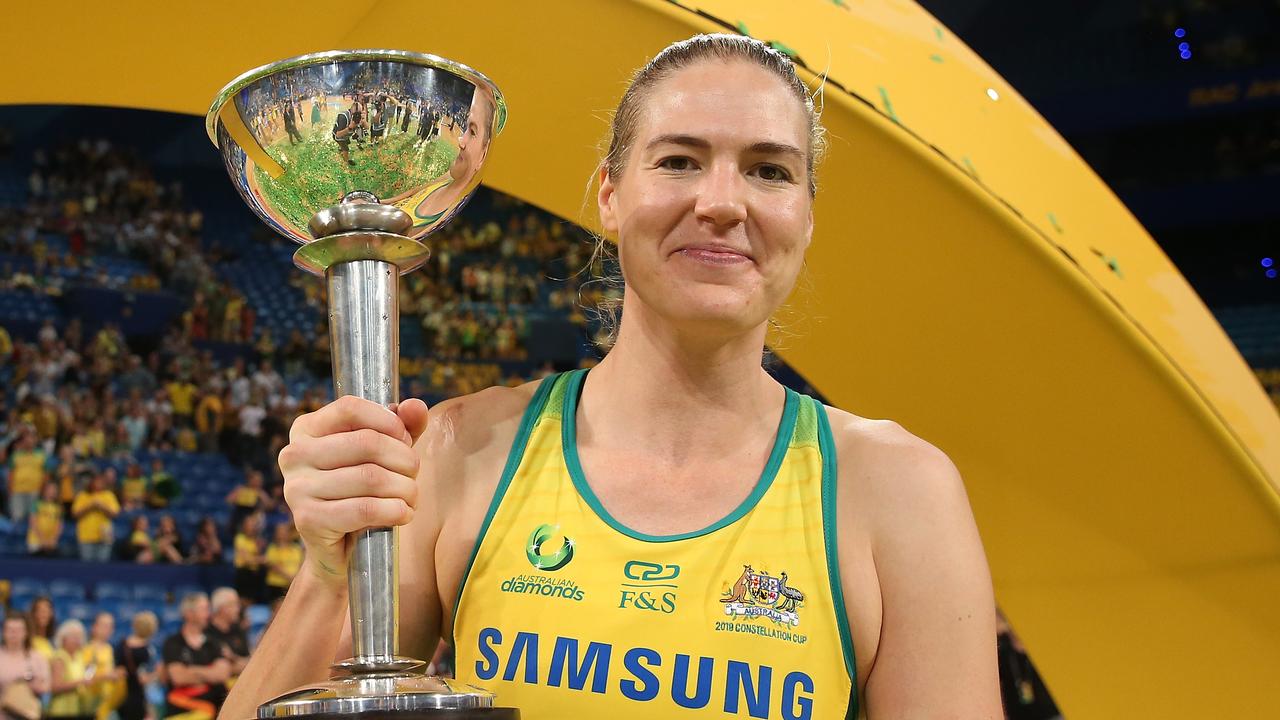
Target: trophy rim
317 58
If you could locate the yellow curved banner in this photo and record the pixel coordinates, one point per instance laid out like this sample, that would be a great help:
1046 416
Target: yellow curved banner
970 277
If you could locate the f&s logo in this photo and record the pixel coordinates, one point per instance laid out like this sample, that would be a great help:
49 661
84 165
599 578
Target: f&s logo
651 588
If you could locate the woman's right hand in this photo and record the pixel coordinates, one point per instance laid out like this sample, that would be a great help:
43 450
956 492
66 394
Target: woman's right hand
349 466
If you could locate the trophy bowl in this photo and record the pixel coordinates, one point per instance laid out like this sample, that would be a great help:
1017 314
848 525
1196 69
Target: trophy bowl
406 130
357 156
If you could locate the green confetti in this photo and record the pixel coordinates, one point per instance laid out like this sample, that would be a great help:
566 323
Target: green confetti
937 30
840 4
936 57
742 28
888 106
1053 220
969 165
1115 267
782 48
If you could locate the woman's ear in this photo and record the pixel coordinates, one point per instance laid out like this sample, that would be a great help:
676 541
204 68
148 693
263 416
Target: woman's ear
605 201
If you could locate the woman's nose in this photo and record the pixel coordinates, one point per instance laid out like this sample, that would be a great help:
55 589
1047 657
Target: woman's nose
720 196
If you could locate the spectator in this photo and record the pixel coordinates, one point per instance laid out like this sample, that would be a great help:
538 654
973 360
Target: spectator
164 487
93 510
137 547
182 396
20 665
26 475
45 526
133 489
69 693
206 549
226 626
168 546
249 547
284 558
195 671
43 621
99 659
209 421
132 656
71 478
246 499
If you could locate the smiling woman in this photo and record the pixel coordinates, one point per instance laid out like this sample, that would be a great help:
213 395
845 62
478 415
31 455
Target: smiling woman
678 452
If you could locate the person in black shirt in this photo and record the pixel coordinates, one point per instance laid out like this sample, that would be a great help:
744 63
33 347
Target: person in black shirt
291 123
195 670
225 627
132 657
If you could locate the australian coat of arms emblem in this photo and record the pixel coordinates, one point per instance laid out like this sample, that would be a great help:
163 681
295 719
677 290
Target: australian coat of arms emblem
759 594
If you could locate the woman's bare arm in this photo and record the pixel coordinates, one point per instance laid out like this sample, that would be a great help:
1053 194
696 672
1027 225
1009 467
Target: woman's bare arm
937 643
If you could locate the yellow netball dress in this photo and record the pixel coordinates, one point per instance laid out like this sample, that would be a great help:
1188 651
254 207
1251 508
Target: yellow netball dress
565 612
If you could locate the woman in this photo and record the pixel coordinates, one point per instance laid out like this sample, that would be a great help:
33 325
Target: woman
45 525
70 693
283 559
99 659
167 547
43 622
137 547
132 658
250 553
676 528
206 549
24 673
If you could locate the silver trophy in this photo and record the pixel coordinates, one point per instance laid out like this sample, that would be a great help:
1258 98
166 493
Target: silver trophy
357 156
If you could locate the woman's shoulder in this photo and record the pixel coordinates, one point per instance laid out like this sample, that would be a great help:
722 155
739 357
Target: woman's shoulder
470 422
892 472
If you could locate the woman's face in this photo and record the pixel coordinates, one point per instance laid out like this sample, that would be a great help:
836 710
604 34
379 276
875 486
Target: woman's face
103 627
73 641
41 612
712 211
15 633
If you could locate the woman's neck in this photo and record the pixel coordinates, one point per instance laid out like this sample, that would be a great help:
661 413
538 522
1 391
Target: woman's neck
677 389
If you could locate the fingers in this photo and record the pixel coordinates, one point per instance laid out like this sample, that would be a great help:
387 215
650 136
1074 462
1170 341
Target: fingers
414 414
366 480
353 514
348 449
349 413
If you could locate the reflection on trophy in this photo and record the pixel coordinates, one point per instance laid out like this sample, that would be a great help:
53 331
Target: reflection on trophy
357 156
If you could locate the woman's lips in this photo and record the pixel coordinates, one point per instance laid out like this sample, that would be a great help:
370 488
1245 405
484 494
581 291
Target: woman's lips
713 256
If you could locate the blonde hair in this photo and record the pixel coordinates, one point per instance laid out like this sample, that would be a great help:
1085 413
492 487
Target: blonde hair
145 624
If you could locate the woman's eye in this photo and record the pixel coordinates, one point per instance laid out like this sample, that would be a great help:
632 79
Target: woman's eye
676 163
773 173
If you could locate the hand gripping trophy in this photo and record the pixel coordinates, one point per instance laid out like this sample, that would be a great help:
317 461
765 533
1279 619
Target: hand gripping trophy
357 156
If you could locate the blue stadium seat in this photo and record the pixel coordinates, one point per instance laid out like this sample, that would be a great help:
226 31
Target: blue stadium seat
28 586
258 614
80 610
170 614
150 591
67 589
113 590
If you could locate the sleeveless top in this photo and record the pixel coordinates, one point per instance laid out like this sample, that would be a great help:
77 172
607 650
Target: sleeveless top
565 612
69 703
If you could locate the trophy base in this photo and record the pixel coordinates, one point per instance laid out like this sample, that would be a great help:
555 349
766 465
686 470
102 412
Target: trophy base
386 696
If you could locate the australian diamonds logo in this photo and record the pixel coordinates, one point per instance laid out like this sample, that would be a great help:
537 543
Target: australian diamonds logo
546 555
547 551
759 594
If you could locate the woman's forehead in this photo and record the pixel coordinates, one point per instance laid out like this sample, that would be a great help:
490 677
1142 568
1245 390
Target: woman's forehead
724 99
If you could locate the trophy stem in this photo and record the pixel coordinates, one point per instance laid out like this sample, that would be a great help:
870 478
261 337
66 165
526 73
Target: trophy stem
364 337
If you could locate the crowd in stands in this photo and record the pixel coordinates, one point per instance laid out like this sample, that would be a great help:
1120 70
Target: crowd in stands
63 669
105 438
